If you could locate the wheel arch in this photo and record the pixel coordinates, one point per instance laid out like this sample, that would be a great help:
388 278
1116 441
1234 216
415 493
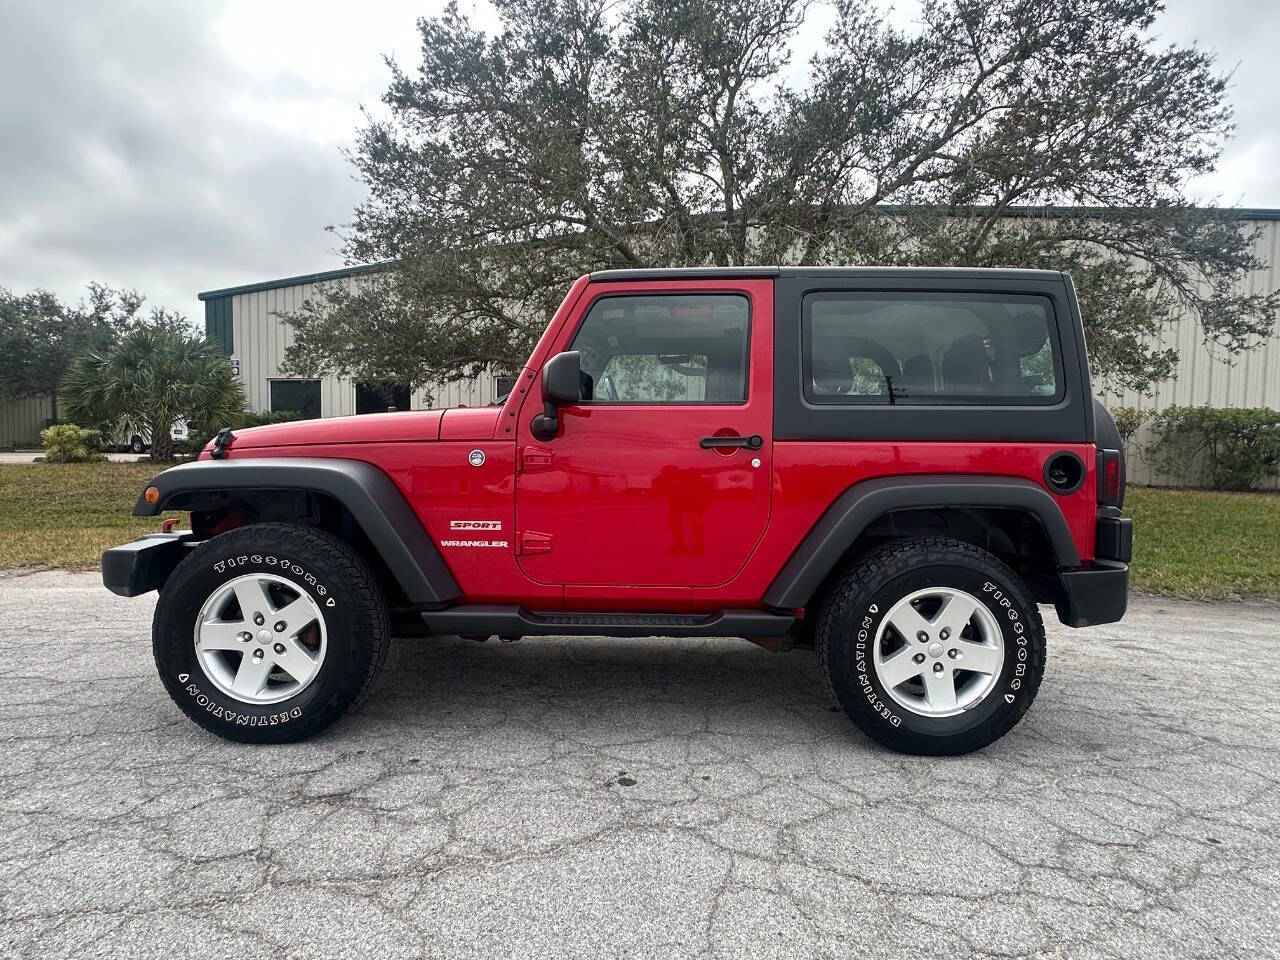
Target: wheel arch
973 509
395 540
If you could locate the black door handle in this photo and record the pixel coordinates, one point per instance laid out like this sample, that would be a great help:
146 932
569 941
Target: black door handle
753 442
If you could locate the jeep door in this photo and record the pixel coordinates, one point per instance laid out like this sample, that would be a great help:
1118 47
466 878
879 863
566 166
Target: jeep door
660 475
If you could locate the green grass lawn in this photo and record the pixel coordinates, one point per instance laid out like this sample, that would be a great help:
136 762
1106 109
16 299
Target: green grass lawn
1203 544
1187 543
66 514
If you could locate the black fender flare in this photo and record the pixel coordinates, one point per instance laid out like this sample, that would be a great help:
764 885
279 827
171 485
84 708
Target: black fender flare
854 510
368 493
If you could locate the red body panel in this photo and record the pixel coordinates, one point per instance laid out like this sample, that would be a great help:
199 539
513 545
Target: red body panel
475 423
415 425
809 476
623 510
626 494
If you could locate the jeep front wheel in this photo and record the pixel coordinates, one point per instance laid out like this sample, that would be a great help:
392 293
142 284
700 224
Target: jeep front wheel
932 646
270 633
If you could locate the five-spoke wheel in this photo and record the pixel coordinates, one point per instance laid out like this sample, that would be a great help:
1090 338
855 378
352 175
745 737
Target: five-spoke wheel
938 651
260 639
931 645
270 632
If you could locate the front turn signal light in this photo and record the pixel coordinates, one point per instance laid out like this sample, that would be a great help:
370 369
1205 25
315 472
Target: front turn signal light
151 494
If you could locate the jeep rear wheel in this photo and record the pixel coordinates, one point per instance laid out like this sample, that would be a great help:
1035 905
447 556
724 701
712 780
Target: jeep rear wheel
931 646
270 633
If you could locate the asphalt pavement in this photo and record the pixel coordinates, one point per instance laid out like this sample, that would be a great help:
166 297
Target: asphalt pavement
638 798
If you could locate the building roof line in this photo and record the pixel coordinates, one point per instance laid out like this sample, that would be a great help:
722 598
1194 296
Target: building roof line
321 277
1241 213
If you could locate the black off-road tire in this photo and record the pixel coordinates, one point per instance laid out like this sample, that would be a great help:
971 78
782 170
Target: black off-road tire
338 579
859 601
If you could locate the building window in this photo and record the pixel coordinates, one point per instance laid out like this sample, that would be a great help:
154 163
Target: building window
502 387
297 396
665 348
382 397
883 348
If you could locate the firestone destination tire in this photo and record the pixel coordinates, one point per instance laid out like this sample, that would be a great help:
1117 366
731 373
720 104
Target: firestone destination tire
931 646
269 633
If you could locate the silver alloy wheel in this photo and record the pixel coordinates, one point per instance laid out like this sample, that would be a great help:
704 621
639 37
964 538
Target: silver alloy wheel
938 652
260 638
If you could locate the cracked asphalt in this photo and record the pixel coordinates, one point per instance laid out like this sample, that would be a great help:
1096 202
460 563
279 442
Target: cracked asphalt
638 798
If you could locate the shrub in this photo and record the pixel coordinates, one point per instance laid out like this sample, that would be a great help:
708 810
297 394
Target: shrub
1129 421
1232 449
255 418
67 443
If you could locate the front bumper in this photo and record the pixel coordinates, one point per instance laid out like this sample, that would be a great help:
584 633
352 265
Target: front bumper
1098 593
145 564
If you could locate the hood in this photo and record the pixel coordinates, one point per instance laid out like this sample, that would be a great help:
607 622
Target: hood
461 423
368 428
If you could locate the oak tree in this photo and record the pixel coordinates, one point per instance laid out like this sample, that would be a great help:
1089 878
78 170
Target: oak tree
588 134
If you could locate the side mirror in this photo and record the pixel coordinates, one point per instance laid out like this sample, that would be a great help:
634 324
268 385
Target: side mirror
562 379
561 385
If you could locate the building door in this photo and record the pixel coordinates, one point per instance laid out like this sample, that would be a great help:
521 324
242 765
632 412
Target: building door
630 492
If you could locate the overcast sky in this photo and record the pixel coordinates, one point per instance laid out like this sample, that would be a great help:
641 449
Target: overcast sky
182 146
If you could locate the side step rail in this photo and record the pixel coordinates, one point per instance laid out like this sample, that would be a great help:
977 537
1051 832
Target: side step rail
482 620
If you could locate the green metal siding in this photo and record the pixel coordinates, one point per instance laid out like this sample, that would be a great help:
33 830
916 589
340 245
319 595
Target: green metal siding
217 323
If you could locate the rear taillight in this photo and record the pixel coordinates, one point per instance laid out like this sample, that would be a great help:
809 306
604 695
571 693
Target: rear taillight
1110 478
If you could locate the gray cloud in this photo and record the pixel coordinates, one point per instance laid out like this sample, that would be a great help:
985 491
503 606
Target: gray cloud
138 147
126 159
1245 35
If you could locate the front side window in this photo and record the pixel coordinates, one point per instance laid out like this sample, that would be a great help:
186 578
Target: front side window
297 396
665 348
885 348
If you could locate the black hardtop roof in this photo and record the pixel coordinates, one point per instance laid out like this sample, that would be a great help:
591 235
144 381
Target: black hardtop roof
712 273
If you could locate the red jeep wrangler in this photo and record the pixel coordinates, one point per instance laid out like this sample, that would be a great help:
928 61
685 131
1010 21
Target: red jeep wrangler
893 465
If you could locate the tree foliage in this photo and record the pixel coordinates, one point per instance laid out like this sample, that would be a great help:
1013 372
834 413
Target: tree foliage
150 379
589 134
40 336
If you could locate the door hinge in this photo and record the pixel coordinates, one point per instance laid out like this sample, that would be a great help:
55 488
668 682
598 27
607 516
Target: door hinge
536 458
530 541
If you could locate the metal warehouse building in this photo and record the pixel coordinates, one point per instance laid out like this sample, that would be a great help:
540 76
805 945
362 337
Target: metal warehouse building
246 322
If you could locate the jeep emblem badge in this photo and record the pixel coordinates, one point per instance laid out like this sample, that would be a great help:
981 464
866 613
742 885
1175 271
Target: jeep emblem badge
476 458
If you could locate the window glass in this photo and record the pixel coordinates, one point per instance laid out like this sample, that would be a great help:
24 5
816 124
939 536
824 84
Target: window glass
299 396
665 348
502 387
929 348
382 397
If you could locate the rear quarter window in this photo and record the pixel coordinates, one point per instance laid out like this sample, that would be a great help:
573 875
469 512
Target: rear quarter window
930 348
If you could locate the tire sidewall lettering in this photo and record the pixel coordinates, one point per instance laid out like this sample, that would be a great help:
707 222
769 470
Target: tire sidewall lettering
281 567
215 709
862 652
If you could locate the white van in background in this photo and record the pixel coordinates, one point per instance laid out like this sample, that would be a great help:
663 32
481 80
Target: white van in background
140 442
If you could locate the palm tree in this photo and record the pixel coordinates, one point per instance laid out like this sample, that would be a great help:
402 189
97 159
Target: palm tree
150 379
